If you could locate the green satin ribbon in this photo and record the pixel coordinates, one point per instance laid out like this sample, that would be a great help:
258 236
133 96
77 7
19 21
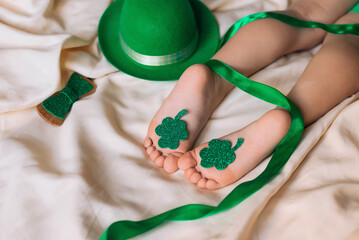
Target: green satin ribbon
127 229
331 28
355 8
59 104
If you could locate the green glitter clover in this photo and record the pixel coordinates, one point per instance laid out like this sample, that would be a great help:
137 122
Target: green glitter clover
172 131
219 153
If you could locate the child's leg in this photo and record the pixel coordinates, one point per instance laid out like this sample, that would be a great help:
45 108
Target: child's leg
330 77
256 45
263 41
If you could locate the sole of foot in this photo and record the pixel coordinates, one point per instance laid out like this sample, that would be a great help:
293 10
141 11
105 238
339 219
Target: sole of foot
260 138
198 91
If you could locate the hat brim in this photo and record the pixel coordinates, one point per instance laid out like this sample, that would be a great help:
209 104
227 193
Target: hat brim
110 44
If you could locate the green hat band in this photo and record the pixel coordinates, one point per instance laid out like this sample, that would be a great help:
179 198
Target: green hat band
164 59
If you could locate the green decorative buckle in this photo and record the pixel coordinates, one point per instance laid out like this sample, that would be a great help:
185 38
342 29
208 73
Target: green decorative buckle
172 131
219 153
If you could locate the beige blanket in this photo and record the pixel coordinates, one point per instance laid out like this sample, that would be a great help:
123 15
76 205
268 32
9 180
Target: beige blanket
73 181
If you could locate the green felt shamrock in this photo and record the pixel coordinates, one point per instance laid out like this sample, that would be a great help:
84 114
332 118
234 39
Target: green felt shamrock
219 153
172 131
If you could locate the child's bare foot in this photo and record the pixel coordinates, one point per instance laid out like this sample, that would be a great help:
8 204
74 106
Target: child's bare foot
199 91
260 138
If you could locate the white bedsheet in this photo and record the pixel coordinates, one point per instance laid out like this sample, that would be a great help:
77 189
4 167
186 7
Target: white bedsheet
73 181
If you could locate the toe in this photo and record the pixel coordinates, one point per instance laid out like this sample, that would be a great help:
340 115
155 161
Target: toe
212 184
155 154
150 150
170 165
202 183
147 143
195 177
189 172
159 161
187 161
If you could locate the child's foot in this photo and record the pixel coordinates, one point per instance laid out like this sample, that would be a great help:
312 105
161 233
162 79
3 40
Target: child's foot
199 91
260 138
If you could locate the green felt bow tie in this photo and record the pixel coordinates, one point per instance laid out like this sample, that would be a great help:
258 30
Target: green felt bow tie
59 104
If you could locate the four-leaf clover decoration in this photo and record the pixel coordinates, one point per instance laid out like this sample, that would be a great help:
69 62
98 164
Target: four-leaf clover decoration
172 131
219 153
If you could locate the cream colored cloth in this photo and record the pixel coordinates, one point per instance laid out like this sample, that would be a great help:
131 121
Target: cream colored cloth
73 181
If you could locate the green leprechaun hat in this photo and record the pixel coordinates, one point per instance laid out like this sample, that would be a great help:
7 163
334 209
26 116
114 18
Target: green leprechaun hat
157 39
